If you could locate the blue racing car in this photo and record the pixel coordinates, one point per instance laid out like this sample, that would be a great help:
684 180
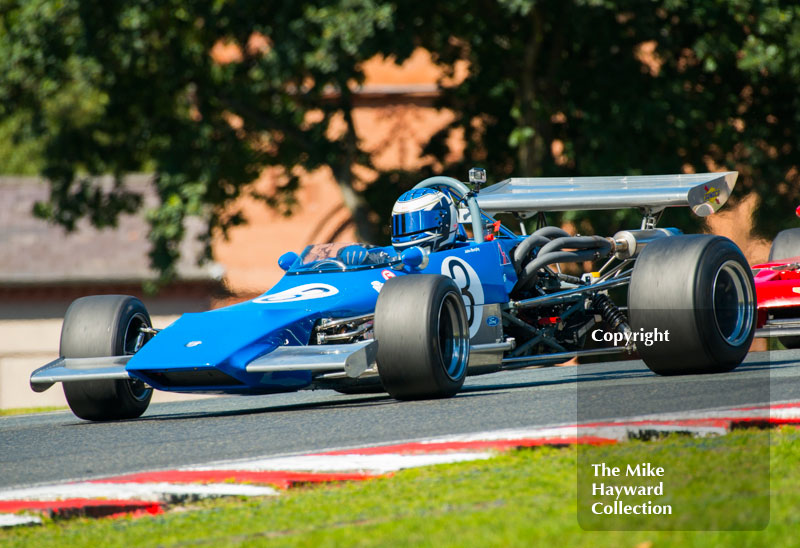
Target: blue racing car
456 293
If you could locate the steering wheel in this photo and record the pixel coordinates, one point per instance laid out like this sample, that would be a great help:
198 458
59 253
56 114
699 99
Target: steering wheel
462 190
323 262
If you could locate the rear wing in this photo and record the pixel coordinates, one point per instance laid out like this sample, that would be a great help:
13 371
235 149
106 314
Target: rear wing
704 193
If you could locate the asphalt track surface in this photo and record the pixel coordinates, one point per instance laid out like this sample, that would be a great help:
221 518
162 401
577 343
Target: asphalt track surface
57 446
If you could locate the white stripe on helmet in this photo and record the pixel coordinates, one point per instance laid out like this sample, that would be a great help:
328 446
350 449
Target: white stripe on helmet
423 203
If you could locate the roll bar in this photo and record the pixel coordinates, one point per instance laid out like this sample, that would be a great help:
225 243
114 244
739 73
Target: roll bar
465 192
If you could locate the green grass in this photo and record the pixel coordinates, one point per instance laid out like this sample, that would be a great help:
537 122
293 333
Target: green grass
523 498
29 410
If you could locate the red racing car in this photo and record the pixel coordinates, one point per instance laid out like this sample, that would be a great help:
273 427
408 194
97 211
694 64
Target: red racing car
778 289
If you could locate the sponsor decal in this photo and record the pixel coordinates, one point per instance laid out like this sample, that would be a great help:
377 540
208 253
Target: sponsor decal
503 256
712 193
299 293
377 285
473 250
796 289
192 344
471 289
492 321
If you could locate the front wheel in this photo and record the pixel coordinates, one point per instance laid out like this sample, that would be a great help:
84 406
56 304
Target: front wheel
99 326
699 290
423 337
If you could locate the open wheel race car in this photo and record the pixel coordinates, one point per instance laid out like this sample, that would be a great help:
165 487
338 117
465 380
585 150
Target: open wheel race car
413 319
778 289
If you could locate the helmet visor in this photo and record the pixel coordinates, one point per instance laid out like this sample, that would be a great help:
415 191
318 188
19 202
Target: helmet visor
415 222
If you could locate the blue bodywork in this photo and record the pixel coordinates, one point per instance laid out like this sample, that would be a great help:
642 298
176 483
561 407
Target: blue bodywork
208 352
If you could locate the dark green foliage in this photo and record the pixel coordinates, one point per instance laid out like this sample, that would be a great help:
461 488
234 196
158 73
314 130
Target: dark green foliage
118 87
580 87
718 89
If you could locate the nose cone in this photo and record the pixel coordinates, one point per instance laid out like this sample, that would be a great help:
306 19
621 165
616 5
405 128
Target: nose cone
233 337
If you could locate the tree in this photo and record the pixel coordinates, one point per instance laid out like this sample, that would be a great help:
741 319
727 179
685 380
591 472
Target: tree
576 87
597 87
116 87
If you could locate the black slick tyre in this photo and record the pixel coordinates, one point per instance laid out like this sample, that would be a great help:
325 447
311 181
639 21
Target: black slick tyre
98 326
423 337
698 288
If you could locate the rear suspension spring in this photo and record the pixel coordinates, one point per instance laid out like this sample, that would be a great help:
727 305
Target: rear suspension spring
612 315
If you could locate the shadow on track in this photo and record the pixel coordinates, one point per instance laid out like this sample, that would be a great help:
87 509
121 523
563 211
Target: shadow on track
573 376
350 403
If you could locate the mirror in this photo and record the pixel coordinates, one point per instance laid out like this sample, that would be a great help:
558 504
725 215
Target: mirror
286 260
415 258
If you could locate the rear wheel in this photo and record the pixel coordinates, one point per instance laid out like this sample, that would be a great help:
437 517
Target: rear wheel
97 326
700 290
423 337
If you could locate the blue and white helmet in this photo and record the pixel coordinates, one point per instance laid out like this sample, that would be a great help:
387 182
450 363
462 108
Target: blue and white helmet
424 217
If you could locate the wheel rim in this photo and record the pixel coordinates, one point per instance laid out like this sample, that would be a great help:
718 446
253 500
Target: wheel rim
453 336
138 390
732 299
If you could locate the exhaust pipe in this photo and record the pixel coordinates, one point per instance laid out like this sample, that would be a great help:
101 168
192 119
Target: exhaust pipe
629 243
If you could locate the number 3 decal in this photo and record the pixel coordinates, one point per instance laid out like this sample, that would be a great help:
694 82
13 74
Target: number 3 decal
471 289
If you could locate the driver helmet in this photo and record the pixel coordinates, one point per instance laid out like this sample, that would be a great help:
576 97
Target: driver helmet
424 217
